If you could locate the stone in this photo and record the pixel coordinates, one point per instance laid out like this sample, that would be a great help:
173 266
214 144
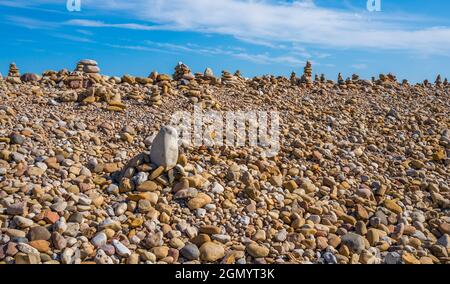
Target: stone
256 250
30 77
22 222
40 245
121 249
58 241
164 149
160 252
393 258
391 205
99 240
211 252
39 233
353 241
444 241
75 160
22 258
17 209
199 201
190 252
410 259
210 230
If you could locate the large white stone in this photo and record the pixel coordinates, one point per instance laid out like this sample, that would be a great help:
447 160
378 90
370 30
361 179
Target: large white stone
164 150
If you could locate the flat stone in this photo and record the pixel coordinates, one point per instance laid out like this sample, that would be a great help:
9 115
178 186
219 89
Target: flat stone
256 250
211 252
23 222
121 250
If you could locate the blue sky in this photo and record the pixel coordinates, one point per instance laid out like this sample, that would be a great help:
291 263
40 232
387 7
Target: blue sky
410 38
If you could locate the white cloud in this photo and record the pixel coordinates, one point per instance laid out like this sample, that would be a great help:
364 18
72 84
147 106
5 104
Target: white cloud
73 38
274 23
359 66
164 47
271 23
31 23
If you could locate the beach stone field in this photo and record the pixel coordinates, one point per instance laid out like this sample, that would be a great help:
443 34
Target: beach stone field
92 172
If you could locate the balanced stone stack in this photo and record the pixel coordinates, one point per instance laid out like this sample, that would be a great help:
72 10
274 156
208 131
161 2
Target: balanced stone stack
182 72
155 97
89 66
200 79
208 73
164 82
153 76
208 76
75 79
88 96
228 79
13 74
293 79
307 75
388 79
79 67
316 78
148 171
194 93
322 78
114 101
341 81
135 94
350 84
438 80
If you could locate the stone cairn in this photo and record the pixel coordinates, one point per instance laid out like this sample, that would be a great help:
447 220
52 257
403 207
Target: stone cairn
75 79
162 167
182 72
163 81
86 74
114 101
228 79
293 79
307 75
135 94
148 171
208 77
341 81
438 80
387 79
89 66
13 74
350 83
316 78
323 80
155 96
